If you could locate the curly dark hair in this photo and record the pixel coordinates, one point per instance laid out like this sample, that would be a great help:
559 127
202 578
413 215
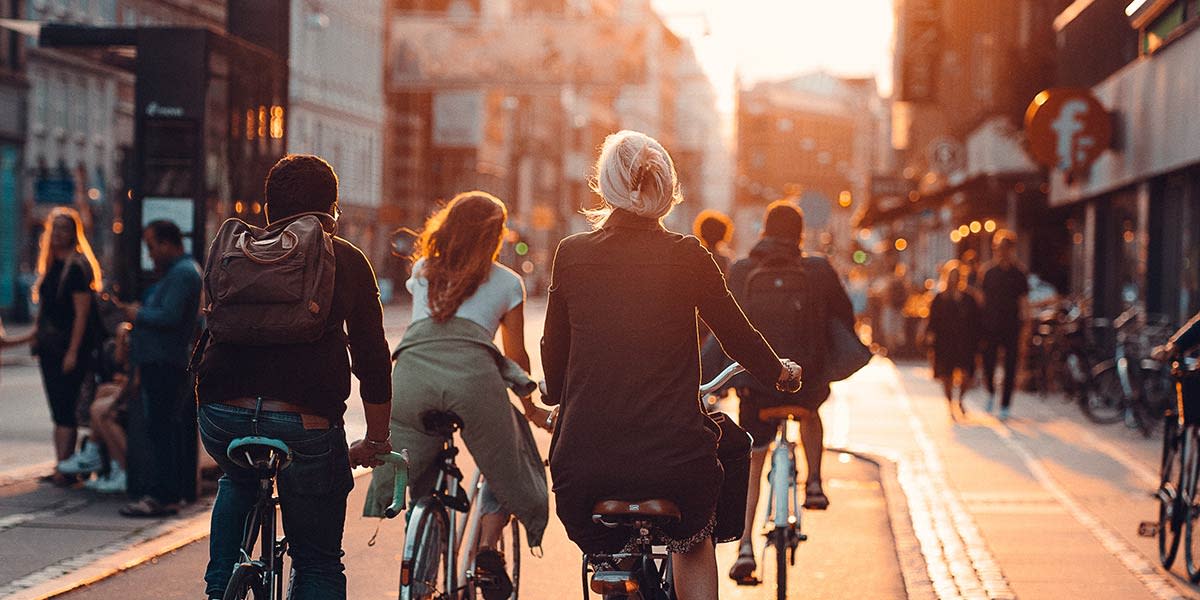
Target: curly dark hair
300 183
459 244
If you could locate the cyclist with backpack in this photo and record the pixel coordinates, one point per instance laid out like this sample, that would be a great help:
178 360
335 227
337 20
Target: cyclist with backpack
283 305
791 297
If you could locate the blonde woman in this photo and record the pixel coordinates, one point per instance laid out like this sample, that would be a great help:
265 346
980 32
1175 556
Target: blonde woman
66 328
621 359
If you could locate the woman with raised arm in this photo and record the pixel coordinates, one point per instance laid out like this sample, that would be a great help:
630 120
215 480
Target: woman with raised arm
621 359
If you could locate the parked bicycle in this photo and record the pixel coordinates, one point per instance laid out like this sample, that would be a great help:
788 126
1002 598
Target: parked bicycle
1132 386
431 566
644 573
1179 472
263 578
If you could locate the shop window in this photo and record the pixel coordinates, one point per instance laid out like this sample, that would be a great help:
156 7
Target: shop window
1162 23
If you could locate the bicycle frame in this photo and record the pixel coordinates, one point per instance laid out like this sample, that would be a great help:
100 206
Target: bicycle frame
262 522
783 508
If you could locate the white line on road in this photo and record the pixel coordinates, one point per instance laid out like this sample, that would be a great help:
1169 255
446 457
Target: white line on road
1145 572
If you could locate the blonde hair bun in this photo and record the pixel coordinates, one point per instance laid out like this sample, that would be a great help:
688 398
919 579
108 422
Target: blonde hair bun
634 173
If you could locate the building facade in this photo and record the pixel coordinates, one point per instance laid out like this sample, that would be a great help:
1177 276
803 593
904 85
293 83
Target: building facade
14 89
337 106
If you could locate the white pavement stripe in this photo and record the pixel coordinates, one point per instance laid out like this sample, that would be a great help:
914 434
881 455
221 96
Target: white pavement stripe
59 508
959 561
1145 572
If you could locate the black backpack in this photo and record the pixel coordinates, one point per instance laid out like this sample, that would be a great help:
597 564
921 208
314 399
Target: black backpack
782 299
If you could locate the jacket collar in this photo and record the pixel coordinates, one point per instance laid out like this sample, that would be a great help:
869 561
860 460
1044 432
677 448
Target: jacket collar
627 220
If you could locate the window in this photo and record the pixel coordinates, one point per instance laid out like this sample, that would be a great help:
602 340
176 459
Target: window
1164 23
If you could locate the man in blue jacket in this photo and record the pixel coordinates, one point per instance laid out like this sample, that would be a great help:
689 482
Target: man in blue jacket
163 330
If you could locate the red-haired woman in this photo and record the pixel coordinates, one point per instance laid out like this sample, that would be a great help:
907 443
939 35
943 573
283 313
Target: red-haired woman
447 362
68 276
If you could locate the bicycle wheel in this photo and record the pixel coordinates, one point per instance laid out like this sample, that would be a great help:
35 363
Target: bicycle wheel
1104 402
246 583
1186 503
781 562
1170 510
422 574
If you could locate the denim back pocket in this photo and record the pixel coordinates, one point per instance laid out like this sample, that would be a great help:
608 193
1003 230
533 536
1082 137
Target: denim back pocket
320 465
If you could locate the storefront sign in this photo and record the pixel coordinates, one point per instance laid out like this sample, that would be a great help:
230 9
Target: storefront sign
1067 129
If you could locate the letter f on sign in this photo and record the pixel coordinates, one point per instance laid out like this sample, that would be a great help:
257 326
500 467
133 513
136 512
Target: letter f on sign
1067 125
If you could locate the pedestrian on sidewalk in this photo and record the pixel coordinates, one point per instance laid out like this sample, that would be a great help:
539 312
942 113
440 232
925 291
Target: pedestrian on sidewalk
621 354
163 329
1005 313
115 393
67 328
294 391
792 297
952 333
447 362
715 229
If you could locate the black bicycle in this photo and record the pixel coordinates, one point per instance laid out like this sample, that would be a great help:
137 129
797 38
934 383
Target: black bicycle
645 572
263 579
431 566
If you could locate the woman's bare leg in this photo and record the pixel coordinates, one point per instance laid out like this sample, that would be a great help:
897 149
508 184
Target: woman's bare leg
696 572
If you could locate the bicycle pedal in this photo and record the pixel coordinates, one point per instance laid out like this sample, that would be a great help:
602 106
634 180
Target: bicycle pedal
1148 529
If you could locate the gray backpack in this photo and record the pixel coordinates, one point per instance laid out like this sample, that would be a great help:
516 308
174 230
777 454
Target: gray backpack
270 286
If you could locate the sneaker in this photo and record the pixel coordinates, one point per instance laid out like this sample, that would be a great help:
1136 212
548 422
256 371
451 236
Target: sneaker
991 402
86 460
492 576
114 483
1004 413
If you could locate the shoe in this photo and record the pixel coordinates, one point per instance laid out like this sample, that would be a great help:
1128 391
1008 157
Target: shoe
1004 413
147 507
86 460
743 568
991 402
492 575
114 483
814 497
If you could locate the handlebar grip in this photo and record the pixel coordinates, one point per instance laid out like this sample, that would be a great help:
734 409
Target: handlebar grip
398 462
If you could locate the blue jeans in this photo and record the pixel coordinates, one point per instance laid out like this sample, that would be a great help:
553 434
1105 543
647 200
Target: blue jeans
312 493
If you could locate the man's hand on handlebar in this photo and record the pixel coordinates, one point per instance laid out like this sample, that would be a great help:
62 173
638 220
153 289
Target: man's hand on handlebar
789 376
364 452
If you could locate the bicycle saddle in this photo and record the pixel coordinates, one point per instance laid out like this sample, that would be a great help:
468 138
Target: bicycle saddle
441 422
781 413
259 453
617 512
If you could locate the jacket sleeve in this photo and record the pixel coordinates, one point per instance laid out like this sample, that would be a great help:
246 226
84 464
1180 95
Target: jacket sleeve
370 360
179 289
556 337
739 339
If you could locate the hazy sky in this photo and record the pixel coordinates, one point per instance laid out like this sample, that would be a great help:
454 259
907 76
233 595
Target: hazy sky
770 39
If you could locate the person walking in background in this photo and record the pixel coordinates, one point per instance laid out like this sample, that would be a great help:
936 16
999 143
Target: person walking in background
163 330
294 391
620 355
715 229
953 334
769 284
1005 310
67 330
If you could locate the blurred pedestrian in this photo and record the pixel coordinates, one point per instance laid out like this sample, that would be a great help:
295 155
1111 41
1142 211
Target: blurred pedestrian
114 393
770 284
620 356
1005 311
893 296
953 334
163 330
67 330
715 230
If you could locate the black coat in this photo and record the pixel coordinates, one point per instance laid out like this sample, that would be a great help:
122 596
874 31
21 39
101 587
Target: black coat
621 356
955 326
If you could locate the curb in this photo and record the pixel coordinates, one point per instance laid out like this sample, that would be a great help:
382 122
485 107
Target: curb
913 568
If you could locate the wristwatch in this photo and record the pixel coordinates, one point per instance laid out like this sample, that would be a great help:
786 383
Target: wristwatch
376 444
790 385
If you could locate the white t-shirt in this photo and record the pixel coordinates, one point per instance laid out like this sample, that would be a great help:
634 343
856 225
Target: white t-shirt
499 293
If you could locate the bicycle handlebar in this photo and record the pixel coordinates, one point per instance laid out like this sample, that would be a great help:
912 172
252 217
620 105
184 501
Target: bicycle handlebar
397 461
721 379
